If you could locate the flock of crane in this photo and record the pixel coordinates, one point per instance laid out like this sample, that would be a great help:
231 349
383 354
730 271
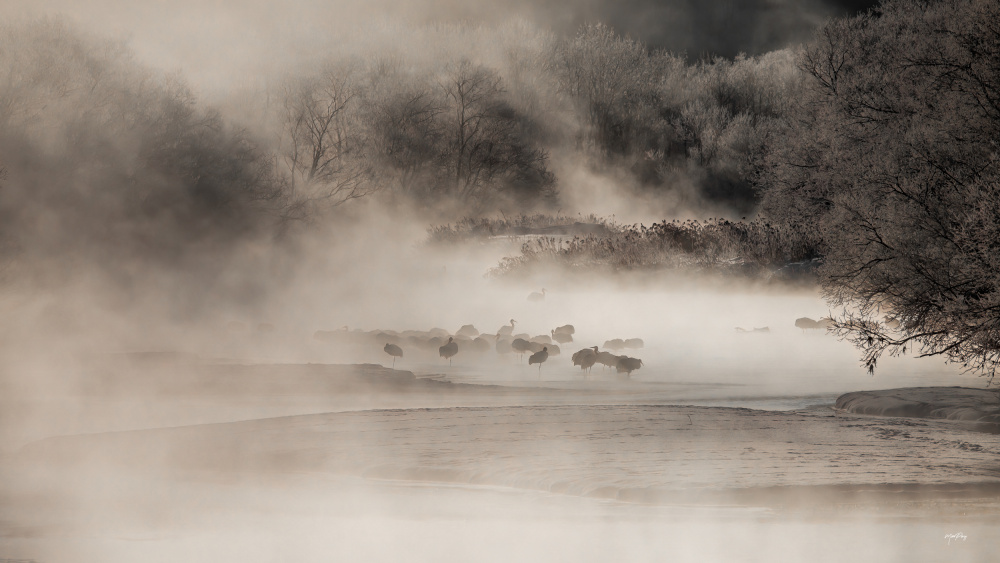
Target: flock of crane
468 340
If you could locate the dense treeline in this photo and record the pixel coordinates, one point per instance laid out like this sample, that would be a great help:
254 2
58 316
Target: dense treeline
672 123
106 159
447 132
446 135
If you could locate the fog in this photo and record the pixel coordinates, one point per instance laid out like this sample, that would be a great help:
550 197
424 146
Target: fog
528 463
191 352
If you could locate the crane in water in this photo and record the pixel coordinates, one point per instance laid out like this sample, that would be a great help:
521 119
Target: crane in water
394 351
449 349
585 358
467 330
805 323
607 359
520 346
563 334
537 296
627 365
480 345
539 358
507 330
614 344
503 345
562 337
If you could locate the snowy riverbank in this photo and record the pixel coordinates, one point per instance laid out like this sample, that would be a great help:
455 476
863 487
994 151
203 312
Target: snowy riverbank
950 403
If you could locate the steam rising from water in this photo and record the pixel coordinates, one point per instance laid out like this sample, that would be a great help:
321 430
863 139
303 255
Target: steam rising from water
63 368
289 503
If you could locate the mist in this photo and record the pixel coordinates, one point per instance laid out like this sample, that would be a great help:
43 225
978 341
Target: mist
215 218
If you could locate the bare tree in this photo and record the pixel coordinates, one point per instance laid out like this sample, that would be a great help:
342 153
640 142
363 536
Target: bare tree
484 147
473 94
613 81
322 142
403 114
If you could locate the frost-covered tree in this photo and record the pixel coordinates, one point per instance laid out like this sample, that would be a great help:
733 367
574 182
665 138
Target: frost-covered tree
613 81
322 140
402 113
894 154
484 148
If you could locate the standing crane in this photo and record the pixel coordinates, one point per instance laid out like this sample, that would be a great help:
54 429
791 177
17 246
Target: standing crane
539 358
507 330
394 351
585 358
627 365
449 349
520 346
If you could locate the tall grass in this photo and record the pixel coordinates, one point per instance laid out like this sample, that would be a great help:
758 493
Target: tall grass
481 228
753 249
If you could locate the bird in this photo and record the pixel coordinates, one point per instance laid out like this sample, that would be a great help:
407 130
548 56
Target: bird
607 359
537 296
539 358
449 349
503 345
634 343
536 346
616 344
568 329
520 346
805 323
507 330
562 337
480 345
388 337
627 365
468 330
585 358
394 351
